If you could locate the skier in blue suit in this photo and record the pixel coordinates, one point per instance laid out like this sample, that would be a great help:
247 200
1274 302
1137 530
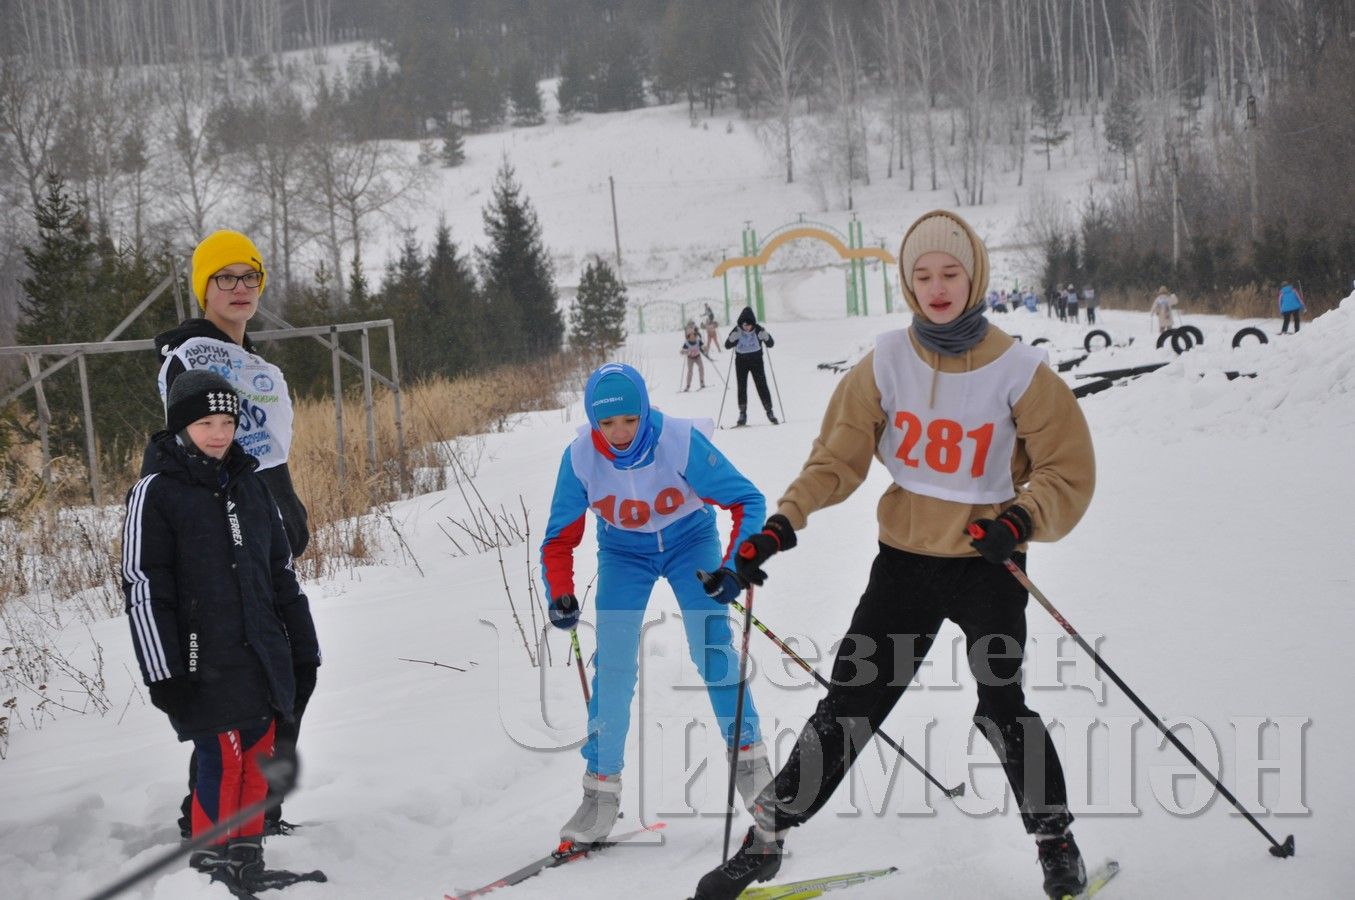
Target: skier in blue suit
650 479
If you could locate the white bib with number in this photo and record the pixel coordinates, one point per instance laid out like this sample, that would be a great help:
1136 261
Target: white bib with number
648 498
961 447
265 429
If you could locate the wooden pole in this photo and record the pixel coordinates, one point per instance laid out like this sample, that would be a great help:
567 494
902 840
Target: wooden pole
338 396
367 402
90 453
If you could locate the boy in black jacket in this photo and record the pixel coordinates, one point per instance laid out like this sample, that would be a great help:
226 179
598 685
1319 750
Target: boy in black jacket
222 631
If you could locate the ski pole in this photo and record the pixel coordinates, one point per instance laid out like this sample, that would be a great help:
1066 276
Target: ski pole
957 791
771 368
719 420
578 664
738 722
281 773
1276 848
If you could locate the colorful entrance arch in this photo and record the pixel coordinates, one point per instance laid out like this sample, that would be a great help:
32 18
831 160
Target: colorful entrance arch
849 247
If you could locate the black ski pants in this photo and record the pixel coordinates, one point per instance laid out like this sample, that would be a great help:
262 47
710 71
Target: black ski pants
906 601
744 365
1290 317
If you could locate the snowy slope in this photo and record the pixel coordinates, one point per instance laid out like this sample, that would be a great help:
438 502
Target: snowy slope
1211 567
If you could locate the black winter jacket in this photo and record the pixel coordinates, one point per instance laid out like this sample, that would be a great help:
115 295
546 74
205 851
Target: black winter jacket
295 519
211 595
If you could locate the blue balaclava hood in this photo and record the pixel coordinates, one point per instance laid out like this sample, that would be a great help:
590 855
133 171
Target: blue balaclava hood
615 389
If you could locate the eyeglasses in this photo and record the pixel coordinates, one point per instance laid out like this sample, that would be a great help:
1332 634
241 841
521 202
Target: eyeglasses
227 282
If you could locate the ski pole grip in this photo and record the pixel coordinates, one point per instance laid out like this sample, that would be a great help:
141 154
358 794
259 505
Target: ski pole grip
975 531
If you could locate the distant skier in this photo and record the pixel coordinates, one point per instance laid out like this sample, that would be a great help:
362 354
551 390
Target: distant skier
221 629
747 340
693 349
712 329
1090 302
1070 302
915 403
1163 306
1291 304
651 480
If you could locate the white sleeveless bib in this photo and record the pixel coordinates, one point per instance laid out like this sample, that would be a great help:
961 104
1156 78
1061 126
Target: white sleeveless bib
961 447
265 429
649 498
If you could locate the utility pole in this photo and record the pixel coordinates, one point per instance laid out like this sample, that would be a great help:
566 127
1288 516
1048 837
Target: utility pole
616 229
1251 164
1174 161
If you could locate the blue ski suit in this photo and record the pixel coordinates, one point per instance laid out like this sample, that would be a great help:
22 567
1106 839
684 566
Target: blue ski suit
654 515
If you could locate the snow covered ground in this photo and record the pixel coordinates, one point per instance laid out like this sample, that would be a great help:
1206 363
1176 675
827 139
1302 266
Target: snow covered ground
1209 571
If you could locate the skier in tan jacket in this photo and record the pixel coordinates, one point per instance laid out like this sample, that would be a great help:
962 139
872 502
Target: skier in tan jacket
974 428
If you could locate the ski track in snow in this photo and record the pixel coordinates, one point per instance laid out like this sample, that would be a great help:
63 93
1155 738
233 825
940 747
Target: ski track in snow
1211 566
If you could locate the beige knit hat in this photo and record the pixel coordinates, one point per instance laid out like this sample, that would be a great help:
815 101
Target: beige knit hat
944 232
936 233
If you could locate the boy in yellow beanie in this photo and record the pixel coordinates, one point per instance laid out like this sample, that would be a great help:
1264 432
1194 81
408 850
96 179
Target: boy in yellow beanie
228 277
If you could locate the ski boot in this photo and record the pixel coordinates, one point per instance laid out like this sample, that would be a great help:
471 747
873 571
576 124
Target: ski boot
1064 873
756 860
753 773
246 861
771 416
596 815
209 859
743 417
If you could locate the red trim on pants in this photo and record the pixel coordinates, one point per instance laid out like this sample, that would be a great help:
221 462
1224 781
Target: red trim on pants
241 782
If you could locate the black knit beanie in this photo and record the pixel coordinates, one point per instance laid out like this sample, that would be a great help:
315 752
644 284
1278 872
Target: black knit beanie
196 394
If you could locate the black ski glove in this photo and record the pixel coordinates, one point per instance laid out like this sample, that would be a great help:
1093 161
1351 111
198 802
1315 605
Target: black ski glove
722 585
564 612
172 695
996 539
776 535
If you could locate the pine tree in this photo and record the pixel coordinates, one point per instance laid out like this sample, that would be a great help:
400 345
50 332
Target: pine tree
620 82
524 94
360 301
597 321
574 93
453 146
1124 123
1047 111
456 323
64 269
517 274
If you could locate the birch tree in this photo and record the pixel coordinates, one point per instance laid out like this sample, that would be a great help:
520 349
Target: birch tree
778 61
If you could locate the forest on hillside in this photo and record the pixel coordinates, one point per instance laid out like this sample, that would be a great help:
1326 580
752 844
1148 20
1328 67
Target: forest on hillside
163 119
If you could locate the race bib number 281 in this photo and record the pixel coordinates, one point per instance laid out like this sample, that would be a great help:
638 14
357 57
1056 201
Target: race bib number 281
942 445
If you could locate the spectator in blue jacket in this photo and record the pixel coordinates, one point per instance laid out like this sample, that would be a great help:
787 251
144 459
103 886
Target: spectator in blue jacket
651 480
1291 304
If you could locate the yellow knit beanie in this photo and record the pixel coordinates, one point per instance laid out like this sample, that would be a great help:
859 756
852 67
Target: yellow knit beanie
218 250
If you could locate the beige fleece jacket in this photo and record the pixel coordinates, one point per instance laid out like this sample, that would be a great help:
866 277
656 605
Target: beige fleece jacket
1053 466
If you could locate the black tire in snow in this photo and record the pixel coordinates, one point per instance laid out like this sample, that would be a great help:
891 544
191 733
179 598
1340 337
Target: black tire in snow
1196 334
1087 341
1249 332
1038 341
1164 337
1182 340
